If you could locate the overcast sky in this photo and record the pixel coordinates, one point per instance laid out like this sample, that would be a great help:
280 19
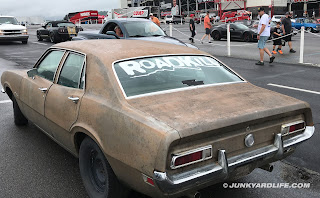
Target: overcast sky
51 9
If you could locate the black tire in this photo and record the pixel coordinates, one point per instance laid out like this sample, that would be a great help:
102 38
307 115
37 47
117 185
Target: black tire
18 117
24 42
39 36
246 37
216 36
97 174
53 38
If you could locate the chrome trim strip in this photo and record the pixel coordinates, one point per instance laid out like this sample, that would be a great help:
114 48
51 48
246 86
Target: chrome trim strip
170 184
176 156
172 90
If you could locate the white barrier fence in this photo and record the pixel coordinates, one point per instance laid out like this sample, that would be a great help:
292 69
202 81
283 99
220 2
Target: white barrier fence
228 45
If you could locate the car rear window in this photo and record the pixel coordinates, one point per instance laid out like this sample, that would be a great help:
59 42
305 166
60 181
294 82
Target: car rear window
152 75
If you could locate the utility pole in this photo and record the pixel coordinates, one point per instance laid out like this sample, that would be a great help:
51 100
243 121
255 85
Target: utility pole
180 7
188 7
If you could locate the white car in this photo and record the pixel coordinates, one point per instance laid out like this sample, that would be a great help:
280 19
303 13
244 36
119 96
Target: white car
10 30
278 18
168 19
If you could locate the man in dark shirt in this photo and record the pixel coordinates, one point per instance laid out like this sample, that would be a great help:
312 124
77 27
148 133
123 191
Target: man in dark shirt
192 28
286 29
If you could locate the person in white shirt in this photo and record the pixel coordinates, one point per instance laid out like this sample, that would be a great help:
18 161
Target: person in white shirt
263 35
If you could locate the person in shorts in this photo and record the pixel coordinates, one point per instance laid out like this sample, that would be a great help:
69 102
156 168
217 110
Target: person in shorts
286 29
276 34
207 27
263 36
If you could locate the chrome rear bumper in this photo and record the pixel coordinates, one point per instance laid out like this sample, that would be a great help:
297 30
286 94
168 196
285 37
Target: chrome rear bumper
171 184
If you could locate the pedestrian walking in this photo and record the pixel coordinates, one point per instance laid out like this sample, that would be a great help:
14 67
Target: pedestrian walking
192 28
207 27
277 32
286 29
263 35
154 19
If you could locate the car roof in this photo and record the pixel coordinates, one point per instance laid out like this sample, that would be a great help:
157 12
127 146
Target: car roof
7 16
56 22
124 49
122 20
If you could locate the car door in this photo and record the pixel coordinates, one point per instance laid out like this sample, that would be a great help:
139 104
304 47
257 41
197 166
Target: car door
34 89
45 31
234 32
64 97
224 31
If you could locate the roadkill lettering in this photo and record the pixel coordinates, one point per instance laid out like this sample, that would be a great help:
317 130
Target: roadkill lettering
147 66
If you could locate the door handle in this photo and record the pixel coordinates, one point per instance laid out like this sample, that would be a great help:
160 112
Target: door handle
74 99
43 90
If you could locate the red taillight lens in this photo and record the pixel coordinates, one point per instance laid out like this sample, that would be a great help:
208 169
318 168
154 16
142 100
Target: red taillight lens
293 127
296 127
191 157
188 158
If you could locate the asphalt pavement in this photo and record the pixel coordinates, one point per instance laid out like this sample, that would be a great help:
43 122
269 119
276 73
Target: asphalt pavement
32 165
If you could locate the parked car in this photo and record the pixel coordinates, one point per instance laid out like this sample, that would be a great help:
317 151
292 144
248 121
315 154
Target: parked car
177 19
307 23
278 18
58 31
156 117
10 30
168 19
131 28
237 31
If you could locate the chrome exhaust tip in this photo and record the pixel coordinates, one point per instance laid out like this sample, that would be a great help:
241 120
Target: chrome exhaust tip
267 167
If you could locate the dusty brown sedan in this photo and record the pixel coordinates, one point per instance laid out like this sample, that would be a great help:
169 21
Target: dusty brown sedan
161 119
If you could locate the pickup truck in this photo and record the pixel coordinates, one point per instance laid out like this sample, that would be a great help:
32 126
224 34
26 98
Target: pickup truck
10 30
309 24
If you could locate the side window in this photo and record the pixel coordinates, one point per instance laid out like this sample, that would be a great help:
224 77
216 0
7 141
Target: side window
71 71
48 66
49 25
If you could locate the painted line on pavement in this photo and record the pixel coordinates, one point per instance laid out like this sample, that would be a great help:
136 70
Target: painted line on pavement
293 88
5 101
39 43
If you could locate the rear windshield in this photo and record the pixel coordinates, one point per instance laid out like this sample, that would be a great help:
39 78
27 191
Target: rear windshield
66 25
156 74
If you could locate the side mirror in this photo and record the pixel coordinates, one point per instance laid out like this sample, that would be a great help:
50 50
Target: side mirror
31 73
112 33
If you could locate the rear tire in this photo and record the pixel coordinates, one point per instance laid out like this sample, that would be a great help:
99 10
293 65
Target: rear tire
246 37
19 118
216 35
97 174
53 38
39 36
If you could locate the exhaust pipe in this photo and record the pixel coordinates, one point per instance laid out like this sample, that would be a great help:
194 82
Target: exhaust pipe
194 195
267 167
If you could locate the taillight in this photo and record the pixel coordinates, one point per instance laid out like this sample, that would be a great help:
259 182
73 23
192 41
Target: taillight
191 157
293 127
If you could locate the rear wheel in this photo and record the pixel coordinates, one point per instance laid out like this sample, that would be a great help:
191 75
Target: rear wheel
216 35
97 174
246 37
19 118
53 38
39 36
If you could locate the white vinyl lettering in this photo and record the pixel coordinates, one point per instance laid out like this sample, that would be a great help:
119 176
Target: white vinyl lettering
173 61
147 64
187 61
161 63
130 66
